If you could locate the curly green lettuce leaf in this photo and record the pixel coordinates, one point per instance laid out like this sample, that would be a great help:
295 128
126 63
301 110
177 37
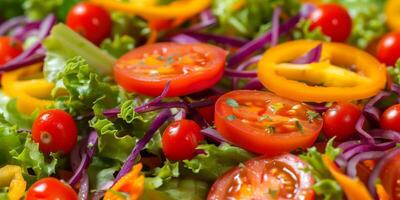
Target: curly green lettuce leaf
101 173
326 187
63 44
302 31
185 188
394 72
119 45
38 9
132 26
163 174
216 160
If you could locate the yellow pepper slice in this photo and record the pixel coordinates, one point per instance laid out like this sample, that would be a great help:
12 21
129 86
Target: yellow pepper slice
338 84
353 188
11 175
392 13
30 94
149 10
131 184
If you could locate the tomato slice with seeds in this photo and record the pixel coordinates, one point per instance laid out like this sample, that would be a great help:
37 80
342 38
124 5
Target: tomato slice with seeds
264 123
190 68
281 177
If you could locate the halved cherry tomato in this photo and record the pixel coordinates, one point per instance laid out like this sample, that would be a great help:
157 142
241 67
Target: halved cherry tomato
190 68
334 21
340 121
91 21
390 177
55 131
265 123
281 177
50 188
9 49
390 119
180 139
388 50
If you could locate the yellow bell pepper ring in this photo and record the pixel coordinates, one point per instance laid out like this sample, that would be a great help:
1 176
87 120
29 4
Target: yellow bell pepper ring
324 81
31 94
392 14
11 176
150 9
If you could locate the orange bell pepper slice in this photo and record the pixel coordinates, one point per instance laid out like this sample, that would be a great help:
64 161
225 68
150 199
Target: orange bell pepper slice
339 84
353 188
131 184
382 194
31 94
11 176
392 14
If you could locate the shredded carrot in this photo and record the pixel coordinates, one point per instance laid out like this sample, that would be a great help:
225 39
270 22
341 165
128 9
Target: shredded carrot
153 37
382 194
131 184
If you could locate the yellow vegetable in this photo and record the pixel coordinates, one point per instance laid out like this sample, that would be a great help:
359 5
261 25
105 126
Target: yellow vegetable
11 176
392 13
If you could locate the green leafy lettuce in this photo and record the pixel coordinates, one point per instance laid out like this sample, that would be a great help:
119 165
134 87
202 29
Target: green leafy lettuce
326 187
394 72
38 9
119 45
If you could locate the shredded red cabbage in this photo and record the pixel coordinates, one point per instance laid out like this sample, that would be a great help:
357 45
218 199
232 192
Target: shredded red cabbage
275 26
365 136
385 134
243 66
240 74
184 39
314 55
223 40
155 125
207 19
29 29
351 169
371 111
155 100
367 147
319 107
8 25
213 135
83 193
254 84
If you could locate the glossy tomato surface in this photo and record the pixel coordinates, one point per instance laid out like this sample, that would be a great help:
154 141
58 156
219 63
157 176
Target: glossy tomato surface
190 68
340 121
50 189
9 49
334 21
390 119
390 177
264 123
55 131
281 177
180 139
91 21
388 50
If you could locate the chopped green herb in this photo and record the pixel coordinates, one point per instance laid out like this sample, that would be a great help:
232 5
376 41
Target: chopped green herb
265 117
232 103
270 129
230 117
312 115
160 58
273 193
299 126
276 107
169 60
398 145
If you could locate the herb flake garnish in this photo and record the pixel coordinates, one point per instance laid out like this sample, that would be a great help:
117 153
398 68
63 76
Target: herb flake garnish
273 193
265 117
230 117
299 126
270 129
232 103
275 107
312 115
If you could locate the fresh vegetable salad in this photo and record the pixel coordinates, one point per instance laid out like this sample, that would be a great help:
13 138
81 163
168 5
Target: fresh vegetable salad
200 99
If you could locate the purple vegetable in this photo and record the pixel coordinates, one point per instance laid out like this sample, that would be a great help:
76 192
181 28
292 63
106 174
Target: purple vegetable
86 158
23 32
365 136
254 84
180 115
45 28
155 100
12 23
314 55
213 135
112 113
28 61
385 134
351 169
223 40
319 107
240 74
395 88
84 187
163 105
371 111
349 145
275 26
155 125
378 169
207 19
367 147
184 39
243 66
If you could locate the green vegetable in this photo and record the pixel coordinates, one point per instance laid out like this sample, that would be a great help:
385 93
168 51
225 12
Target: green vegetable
326 187
163 175
302 31
185 188
63 44
39 9
10 8
119 45
394 72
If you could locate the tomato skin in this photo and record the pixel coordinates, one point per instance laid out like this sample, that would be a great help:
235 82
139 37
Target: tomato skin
180 139
258 175
50 189
55 131
9 49
334 21
388 50
340 121
390 177
132 78
390 119
91 21
253 138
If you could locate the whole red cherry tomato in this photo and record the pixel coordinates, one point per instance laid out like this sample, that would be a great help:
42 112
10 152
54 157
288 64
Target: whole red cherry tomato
9 49
390 119
340 121
388 50
50 189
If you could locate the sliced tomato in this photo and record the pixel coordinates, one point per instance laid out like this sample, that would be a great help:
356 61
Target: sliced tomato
264 123
390 177
281 177
190 68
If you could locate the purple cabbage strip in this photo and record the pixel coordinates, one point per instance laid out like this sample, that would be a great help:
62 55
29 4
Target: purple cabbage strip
395 88
254 84
155 125
23 32
385 134
223 40
240 74
365 136
163 105
207 19
371 111
184 39
349 145
314 55
243 66
367 147
275 26
378 169
213 135
351 169
86 158
45 28
83 193
155 100
318 107
28 61
12 23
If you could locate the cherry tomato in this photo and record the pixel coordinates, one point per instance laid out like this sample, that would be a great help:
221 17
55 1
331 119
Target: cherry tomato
340 121
55 131
9 49
50 189
281 177
334 21
390 119
264 123
190 68
180 139
390 177
388 50
91 21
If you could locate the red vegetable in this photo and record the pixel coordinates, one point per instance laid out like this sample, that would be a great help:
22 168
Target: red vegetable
55 131
50 188
9 49
389 48
390 119
180 140
334 21
340 121
91 21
